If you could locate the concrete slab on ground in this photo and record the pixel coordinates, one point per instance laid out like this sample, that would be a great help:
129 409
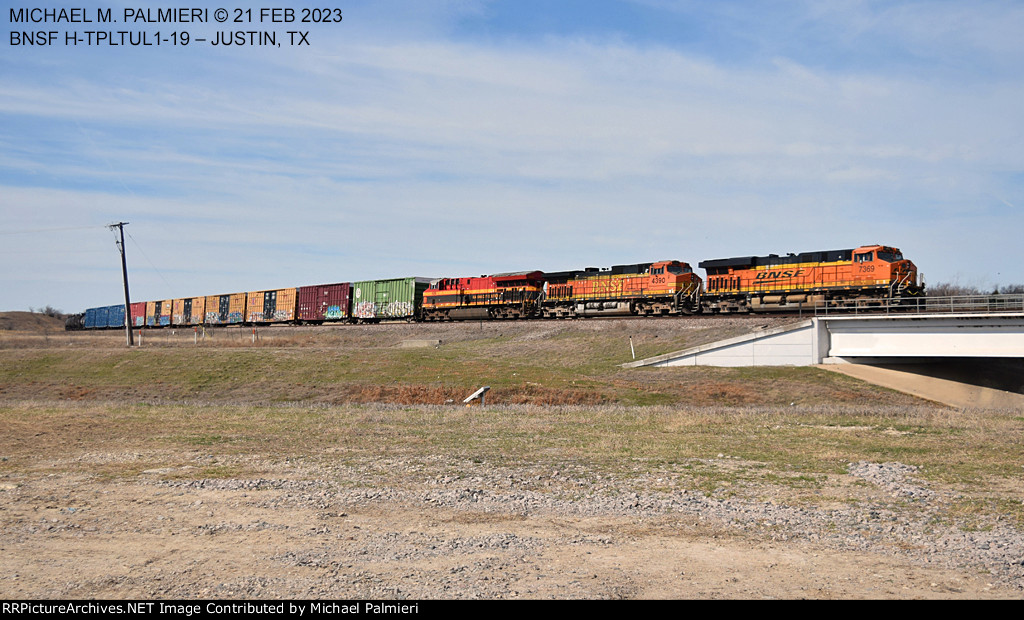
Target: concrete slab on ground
415 344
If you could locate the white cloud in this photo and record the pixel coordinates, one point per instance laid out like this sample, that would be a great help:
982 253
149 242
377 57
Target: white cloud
376 157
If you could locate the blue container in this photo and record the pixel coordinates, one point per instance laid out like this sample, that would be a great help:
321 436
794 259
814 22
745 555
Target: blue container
90 318
115 316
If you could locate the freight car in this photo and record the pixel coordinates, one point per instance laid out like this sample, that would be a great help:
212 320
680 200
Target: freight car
158 313
396 298
807 280
325 302
225 309
74 322
138 314
103 317
273 306
734 285
188 311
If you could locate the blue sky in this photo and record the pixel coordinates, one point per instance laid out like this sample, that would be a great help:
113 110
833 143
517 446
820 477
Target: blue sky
461 137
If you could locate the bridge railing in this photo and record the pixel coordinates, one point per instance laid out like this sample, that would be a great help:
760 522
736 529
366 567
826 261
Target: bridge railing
954 304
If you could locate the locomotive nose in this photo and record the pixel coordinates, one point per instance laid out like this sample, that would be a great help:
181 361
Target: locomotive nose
906 272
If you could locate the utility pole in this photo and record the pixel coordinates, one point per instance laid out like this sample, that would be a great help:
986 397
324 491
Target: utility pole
124 273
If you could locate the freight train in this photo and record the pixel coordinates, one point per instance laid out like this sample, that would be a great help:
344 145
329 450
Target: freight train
745 284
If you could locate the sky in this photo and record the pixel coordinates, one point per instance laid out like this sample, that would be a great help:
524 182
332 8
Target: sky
442 138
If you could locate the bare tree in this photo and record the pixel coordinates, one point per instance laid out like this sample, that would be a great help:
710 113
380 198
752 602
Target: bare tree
952 289
949 289
48 311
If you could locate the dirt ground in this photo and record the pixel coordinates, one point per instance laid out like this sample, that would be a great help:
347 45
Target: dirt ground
68 536
382 523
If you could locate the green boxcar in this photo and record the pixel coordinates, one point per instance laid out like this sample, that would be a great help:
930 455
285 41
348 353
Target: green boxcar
397 298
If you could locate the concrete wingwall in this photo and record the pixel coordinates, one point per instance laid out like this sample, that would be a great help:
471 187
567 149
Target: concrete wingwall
800 344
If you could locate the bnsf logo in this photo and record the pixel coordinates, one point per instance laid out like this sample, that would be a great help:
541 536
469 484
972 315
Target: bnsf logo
775 275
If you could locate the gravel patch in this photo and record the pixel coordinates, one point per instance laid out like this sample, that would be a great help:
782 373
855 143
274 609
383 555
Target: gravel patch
924 534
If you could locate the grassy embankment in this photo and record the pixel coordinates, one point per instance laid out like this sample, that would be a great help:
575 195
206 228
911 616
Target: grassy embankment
230 410
560 363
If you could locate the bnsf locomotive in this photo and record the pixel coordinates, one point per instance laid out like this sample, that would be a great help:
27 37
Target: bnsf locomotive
648 289
763 283
664 288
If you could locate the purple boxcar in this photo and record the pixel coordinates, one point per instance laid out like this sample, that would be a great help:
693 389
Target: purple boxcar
325 302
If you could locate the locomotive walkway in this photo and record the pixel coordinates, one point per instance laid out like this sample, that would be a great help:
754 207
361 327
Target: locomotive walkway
947 343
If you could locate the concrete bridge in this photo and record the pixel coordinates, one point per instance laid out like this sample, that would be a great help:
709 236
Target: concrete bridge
859 339
980 349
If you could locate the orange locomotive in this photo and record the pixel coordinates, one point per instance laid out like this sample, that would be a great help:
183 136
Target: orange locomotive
767 283
661 288
500 296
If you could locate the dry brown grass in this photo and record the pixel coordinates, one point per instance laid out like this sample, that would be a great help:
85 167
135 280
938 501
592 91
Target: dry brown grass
433 395
30 322
524 362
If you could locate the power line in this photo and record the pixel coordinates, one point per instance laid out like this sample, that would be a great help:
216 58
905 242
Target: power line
158 272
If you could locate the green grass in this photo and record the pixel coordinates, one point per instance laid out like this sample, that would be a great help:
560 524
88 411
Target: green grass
799 440
790 428
580 368
794 449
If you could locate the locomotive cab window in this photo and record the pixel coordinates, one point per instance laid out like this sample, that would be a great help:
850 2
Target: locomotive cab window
866 257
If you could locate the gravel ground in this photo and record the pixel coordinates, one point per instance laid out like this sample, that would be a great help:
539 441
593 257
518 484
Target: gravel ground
353 524
458 530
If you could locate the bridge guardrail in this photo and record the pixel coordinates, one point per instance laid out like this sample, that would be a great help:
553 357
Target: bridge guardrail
955 304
